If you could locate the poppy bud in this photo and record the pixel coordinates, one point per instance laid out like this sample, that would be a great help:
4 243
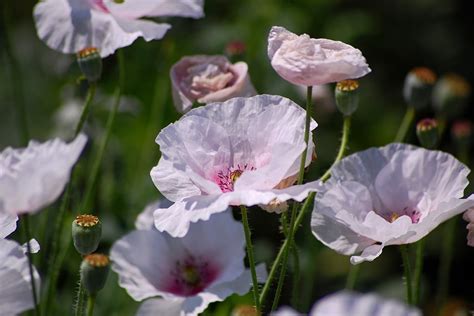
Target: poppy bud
427 132
418 86
94 271
461 132
450 95
347 96
90 63
86 232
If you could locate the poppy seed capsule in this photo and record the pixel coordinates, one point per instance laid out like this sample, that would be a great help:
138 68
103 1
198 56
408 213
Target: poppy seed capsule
90 63
86 233
347 96
418 86
461 132
94 271
427 132
450 95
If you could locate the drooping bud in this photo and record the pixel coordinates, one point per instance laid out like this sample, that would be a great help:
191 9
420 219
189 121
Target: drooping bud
450 95
461 132
94 271
90 63
347 96
427 132
418 86
86 232
244 310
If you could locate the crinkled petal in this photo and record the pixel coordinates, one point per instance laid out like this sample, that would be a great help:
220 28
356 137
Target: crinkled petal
140 8
176 219
69 27
368 254
347 303
7 224
159 306
34 177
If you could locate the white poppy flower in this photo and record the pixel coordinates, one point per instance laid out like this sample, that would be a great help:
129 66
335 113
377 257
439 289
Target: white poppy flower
33 177
392 195
345 303
70 26
187 273
245 151
208 79
15 292
306 61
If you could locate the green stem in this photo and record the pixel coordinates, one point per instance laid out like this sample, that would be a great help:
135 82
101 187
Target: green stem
352 276
80 300
408 273
103 145
90 305
85 108
446 259
296 278
420 246
25 219
304 209
248 241
405 126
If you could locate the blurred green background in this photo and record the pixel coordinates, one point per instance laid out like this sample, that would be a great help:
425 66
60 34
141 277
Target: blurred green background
394 36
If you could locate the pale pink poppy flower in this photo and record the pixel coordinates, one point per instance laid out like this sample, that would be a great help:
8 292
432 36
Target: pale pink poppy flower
31 178
245 151
392 195
306 61
69 26
208 79
346 303
15 292
186 275
468 216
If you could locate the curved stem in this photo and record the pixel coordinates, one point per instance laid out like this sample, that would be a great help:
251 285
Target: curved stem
248 241
408 274
79 299
405 126
303 211
103 145
90 305
30 262
352 276
420 246
85 108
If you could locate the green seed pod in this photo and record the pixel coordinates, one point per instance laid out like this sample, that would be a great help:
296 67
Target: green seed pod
90 63
450 95
418 86
86 232
347 96
427 132
94 271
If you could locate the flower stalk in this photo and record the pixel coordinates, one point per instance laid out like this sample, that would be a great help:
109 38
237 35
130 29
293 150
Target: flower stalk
406 124
90 305
248 242
352 277
407 272
30 263
420 248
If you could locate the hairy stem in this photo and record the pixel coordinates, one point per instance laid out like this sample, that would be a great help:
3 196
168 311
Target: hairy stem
408 273
90 304
353 276
85 108
420 247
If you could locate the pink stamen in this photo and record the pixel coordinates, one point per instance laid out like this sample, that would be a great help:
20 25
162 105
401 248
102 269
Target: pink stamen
413 213
99 4
226 178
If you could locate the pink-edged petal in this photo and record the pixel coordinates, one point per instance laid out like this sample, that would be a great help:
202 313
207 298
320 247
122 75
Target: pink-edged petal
160 306
141 8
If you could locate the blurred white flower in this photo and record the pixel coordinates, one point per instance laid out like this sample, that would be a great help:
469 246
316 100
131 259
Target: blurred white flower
392 195
469 217
307 61
33 177
186 273
15 292
346 303
145 218
70 26
245 151
208 79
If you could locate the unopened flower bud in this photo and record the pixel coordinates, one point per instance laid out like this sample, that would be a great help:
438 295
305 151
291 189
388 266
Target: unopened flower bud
418 86
90 63
450 95
245 310
461 132
86 232
347 96
427 132
94 271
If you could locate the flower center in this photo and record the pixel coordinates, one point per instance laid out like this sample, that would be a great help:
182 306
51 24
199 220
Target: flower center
226 178
414 215
99 5
207 78
191 276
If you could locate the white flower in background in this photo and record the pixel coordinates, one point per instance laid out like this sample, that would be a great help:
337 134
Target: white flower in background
469 217
15 290
307 61
189 273
245 151
208 79
7 224
346 303
392 195
145 218
70 26
31 178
